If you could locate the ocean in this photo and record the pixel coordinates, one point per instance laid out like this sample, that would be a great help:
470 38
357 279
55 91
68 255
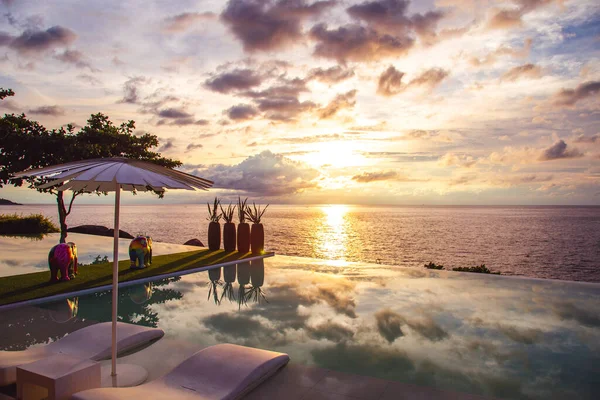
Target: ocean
541 242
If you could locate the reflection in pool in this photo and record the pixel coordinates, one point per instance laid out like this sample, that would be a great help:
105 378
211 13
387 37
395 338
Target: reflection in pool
501 336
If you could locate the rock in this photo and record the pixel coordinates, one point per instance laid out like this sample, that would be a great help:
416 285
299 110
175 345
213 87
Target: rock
194 242
99 230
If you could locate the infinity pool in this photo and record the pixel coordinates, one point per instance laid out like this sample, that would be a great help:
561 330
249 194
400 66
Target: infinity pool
502 336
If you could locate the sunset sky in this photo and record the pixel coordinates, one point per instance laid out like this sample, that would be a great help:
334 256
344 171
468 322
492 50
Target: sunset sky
300 101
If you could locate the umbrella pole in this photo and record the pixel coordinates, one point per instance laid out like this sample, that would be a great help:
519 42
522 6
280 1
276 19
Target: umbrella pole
115 284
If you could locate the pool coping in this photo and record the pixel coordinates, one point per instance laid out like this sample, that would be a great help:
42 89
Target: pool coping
134 282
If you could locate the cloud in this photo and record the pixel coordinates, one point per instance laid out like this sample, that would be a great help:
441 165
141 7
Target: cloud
330 75
76 58
367 177
131 90
238 79
168 145
283 108
181 121
340 102
36 41
588 139
510 18
357 43
331 331
390 82
54 111
570 311
530 71
389 324
390 17
182 22
92 80
265 174
193 146
568 97
457 160
559 150
265 25
174 113
242 112
521 335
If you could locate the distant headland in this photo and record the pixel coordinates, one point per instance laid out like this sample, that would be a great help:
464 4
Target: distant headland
4 202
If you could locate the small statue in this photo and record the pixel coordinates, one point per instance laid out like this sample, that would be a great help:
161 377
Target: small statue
63 257
140 252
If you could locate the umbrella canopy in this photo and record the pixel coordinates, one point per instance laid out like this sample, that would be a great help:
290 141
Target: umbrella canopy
115 174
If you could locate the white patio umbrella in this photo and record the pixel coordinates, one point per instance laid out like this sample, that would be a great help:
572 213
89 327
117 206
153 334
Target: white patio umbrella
108 175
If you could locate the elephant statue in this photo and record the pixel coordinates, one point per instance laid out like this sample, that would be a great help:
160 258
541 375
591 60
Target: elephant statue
140 252
63 257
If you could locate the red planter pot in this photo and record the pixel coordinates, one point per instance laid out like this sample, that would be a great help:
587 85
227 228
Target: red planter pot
257 239
243 238
229 236
214 236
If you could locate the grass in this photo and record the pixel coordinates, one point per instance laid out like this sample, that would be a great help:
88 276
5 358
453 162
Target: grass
13 224
36 285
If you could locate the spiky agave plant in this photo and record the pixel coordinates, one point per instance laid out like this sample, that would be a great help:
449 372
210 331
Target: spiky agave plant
257 233
243 229
228 213
213 213
242 210
255 213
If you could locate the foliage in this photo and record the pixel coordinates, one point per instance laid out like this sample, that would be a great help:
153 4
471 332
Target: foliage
25 144
256 294
255 214
434 266
481 269
212 213
228 213
242 210
14 224
97 260
5 93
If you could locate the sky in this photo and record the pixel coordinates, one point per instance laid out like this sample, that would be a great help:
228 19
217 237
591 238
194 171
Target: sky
338 101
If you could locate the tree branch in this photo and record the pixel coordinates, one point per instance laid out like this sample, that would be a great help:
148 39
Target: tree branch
75 194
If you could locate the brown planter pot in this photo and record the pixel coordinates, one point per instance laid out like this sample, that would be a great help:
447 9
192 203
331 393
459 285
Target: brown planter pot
214 236
214 274
229 236
229 273
257 239
257 273
243 238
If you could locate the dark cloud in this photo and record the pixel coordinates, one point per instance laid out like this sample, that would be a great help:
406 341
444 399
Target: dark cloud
76 58
168 145
174 113
265 174
559 150
5 38
568 97
569 311
283 108
182 22
330 75
239 326
331 331
265 25
588 139
390 82
391 17
242 112
530 71
509 18
340 102
181 121
521 335
89 79
367 177
35 41
282 88
389 324
236 80
54 111
193 146
357 43
131 91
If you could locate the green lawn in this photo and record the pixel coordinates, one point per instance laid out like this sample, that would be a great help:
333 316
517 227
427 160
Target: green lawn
32 286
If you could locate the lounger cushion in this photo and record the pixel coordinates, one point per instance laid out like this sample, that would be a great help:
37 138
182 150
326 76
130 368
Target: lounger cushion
92 342
224 372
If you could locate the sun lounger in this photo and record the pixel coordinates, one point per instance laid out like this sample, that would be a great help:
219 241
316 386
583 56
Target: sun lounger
224 372
92 342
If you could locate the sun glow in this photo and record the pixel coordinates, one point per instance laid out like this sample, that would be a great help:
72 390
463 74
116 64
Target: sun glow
335 154
332 235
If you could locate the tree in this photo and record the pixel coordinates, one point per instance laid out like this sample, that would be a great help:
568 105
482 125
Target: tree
26 144
5 93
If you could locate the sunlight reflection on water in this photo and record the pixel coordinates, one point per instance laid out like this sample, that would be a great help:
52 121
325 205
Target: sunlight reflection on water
332 233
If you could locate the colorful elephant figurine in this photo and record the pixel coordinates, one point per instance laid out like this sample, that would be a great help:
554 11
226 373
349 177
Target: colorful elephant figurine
63 257
140 252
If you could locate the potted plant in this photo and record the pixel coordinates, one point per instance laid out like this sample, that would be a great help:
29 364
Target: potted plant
257 278
214 228
229 273
228 228
243 229
257 233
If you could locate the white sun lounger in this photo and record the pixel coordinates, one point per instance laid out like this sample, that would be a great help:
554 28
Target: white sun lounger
92 342
224 372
